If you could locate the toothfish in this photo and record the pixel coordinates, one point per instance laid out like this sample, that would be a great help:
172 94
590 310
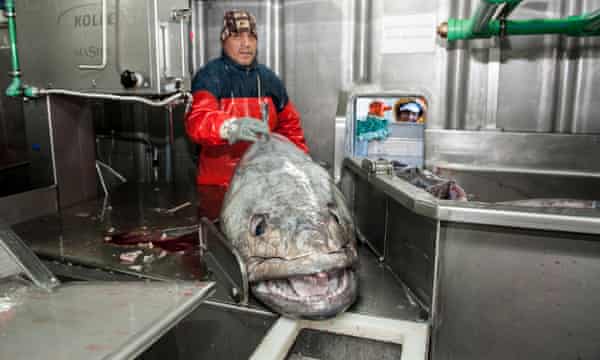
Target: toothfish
290 223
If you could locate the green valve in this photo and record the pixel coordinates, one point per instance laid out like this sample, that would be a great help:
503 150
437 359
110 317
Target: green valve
14 88
490 19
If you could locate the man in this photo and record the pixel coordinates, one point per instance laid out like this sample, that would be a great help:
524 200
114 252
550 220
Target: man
408 112
226 111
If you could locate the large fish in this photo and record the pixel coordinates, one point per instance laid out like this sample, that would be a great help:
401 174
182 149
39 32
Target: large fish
290 224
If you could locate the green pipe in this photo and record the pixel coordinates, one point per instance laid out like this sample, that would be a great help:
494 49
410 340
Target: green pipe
462 29
485 23
15 87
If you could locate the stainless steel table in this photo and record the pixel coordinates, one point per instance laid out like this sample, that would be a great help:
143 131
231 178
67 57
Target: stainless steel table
91 320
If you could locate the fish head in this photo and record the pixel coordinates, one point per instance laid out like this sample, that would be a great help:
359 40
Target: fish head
301 256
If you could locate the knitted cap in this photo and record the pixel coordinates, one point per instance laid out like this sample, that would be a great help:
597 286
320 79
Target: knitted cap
238 21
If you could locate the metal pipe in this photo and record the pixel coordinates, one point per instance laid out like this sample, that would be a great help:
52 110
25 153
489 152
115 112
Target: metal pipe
268 33
112 171
169 146
182 43
278 38
101 177
49 114
151 151
199 35
362 36
568 70
164 54
159 103
127 137
539 26
154 164
457 72
493 88
196 13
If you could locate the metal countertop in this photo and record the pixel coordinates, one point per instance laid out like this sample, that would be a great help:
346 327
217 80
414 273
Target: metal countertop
91 320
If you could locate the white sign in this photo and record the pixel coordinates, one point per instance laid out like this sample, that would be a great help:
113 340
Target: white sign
409 34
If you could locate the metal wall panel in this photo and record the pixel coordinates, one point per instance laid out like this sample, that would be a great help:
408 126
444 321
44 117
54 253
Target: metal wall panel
371 214
523 152
404 240
506 293
544 83
410 249
315 59
28 205
39 144
410 71
74 150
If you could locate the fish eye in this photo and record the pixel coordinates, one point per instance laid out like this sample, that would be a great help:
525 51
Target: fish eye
258 224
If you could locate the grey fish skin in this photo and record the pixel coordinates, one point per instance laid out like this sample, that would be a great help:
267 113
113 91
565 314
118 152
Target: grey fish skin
290 223
439 187
555 203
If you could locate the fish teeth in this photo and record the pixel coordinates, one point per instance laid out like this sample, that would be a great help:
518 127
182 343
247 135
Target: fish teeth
307 288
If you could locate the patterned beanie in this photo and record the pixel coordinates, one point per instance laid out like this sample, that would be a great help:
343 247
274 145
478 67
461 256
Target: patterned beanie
238 21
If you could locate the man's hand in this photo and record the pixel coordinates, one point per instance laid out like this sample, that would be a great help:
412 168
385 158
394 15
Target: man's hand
246 129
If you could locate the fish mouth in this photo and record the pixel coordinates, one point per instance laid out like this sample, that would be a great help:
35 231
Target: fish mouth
319 295
260 269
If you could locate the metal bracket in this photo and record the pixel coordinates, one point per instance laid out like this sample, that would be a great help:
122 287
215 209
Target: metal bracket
377 167
223 258
16 258
181 14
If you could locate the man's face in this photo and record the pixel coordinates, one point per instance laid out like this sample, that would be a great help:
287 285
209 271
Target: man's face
241 47
408 116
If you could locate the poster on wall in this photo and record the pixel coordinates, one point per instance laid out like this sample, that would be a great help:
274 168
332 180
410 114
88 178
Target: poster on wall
391 128
408 34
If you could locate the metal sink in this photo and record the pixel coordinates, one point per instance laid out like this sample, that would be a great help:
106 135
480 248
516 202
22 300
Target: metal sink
213 331
348 336
315 344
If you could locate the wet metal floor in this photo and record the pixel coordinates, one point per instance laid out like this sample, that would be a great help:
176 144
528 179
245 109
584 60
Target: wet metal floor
77 236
